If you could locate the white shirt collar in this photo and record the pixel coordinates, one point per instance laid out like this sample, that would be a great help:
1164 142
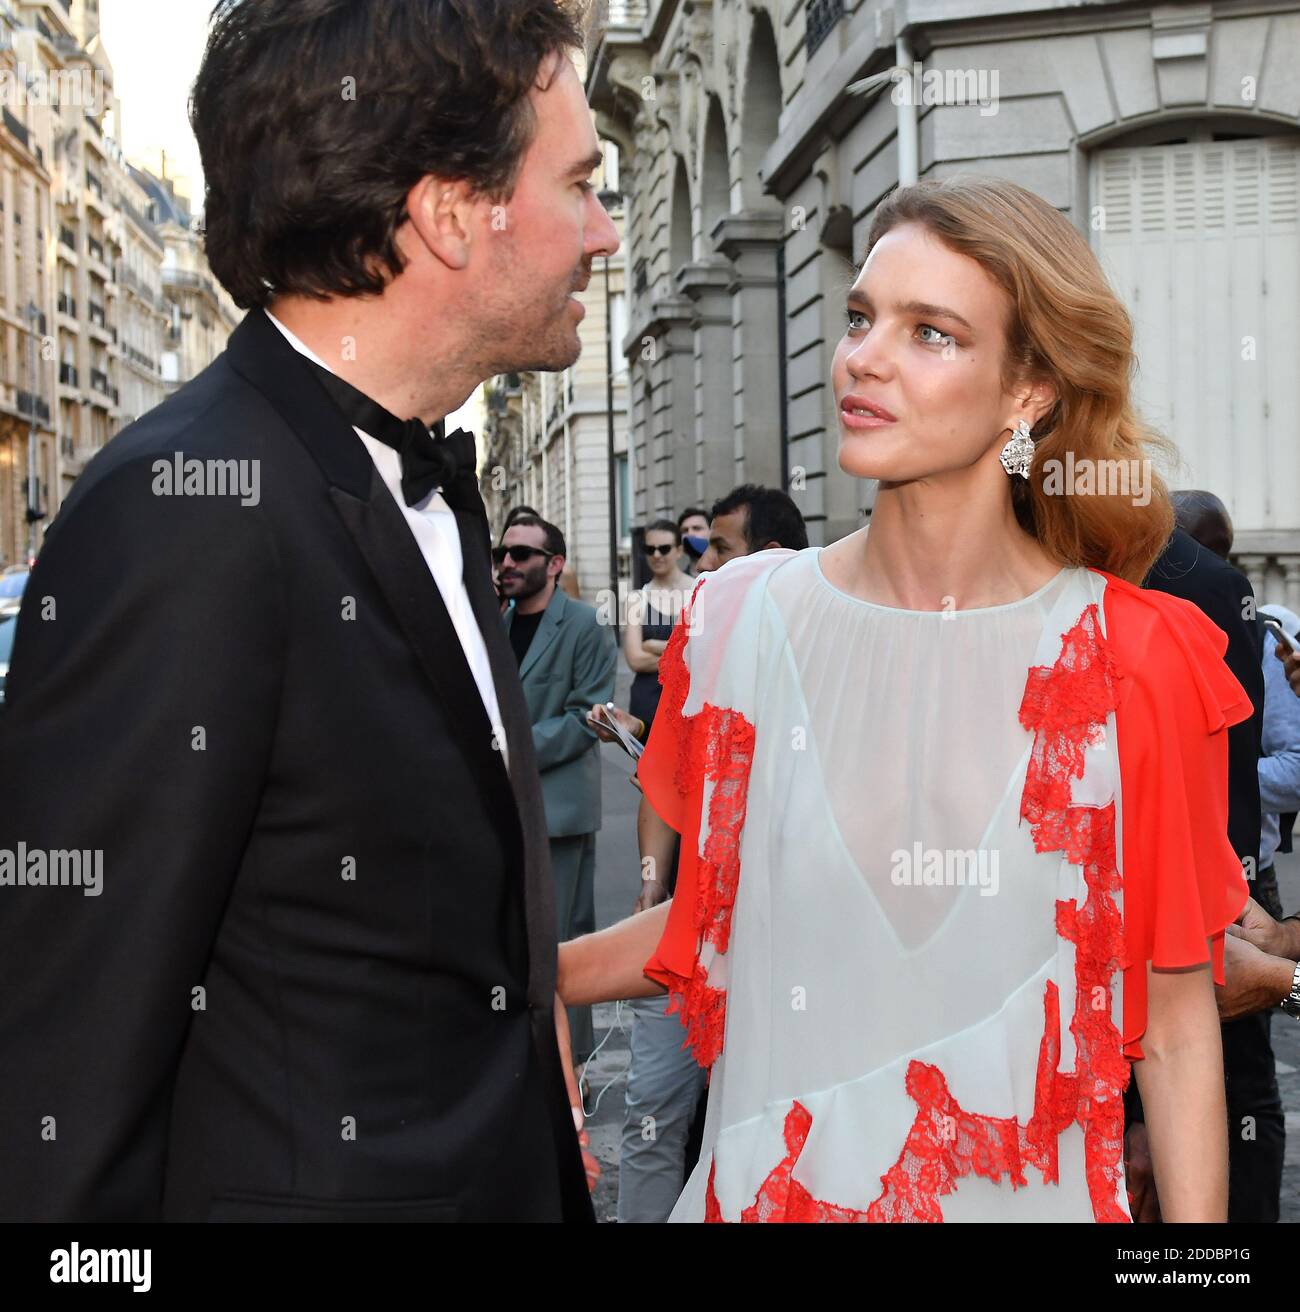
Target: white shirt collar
298 344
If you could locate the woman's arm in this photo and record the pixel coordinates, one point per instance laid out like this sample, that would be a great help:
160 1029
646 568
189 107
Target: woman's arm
607 966
639 660
1181 1083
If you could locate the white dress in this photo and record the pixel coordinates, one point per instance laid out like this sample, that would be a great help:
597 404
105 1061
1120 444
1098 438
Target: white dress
886 936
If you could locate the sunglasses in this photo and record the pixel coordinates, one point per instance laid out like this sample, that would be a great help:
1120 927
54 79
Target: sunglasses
664 549
520 555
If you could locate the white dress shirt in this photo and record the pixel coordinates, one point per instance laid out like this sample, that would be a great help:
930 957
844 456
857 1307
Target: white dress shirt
433 524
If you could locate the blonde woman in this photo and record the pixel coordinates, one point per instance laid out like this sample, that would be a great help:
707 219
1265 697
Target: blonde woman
952 793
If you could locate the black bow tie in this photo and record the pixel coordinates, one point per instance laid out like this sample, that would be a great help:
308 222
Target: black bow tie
429 460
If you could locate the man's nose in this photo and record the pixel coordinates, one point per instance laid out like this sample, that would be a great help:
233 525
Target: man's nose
602 234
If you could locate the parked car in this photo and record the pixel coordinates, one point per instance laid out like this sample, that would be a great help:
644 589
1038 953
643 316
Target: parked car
8 623
12 583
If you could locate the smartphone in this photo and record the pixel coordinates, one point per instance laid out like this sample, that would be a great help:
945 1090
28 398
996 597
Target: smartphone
1284 639
630 745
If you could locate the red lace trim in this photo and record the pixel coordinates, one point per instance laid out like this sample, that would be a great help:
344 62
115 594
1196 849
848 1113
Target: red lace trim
781 1198
717 745
703 1010
1065 707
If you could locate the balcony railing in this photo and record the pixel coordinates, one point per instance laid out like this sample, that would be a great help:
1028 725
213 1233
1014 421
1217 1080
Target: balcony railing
194 281
93 182
30 404
67 304
141 220
95 248
139 357
68 374
99 381
68 238
132 281
96 312
1272 564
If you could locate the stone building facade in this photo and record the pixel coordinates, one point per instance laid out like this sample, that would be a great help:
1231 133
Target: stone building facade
200 314
758 136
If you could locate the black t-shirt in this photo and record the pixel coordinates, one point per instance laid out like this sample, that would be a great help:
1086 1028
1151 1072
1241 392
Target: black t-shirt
522 629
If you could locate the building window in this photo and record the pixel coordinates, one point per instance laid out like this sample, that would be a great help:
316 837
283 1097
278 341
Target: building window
822 17
618 331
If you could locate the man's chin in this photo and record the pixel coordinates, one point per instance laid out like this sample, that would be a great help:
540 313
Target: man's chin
552 355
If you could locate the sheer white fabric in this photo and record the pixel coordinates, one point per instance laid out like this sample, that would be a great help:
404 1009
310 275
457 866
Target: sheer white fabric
888 756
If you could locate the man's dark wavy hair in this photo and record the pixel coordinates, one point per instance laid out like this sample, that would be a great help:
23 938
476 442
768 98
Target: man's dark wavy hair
315 118
770 516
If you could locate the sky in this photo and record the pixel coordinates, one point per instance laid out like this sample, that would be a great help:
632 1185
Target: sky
155 47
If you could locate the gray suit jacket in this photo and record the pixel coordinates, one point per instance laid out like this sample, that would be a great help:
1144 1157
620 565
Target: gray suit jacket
569 667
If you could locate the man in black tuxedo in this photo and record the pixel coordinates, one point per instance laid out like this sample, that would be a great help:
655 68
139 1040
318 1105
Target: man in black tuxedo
261 686
1202 575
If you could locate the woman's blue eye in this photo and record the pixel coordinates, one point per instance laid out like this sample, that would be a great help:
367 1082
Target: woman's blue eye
939 339
856 314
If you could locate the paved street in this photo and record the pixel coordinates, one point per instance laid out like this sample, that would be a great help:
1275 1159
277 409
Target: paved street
616 889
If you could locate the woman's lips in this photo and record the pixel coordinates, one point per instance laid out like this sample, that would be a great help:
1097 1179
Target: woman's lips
860 413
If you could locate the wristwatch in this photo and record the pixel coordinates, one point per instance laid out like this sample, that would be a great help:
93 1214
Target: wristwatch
1291 1003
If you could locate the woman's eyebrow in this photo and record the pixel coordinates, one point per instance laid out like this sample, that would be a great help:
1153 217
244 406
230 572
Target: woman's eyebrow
860 298
935 312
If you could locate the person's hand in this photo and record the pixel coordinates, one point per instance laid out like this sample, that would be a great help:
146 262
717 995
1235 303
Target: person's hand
589 1162
652 893
1255 980
1290 658
1139 1175
631 723
1256 926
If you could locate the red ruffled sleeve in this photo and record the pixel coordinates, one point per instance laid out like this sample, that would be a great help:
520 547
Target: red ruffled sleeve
1182 882
713 745
677 798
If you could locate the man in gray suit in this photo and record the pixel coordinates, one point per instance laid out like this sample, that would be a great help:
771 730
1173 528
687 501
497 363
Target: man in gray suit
567 660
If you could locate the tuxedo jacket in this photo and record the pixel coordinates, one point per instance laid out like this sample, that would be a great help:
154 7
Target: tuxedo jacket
570 665
317 980
1188 570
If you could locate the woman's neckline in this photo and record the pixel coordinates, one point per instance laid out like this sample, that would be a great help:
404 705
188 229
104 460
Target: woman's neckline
941 614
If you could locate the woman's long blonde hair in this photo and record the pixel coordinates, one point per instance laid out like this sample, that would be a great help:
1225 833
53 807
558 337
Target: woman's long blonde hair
1066 327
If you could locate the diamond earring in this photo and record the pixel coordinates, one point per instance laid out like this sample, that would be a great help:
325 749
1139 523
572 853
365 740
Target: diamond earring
1018 453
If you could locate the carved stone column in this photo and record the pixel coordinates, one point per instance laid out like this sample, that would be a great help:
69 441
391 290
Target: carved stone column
707 284
749 241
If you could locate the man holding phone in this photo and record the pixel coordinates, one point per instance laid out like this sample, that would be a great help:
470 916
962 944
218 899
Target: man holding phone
1262 948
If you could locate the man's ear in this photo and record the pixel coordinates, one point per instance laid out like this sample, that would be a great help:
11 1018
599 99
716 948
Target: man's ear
441 216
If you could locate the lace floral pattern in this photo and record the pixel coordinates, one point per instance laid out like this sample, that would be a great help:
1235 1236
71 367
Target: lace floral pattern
716 745
781 1198
1065 707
